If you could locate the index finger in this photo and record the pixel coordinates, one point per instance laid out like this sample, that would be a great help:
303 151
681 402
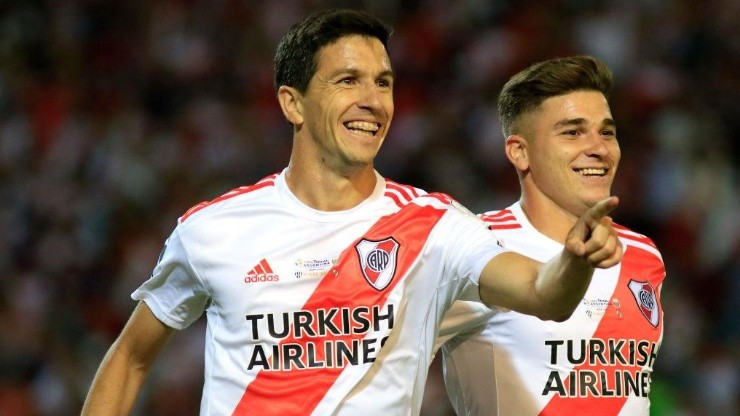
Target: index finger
602 208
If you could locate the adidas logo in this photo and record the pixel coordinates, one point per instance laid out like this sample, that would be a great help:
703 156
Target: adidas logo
262 272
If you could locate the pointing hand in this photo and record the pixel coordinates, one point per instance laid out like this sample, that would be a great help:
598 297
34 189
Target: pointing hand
593 238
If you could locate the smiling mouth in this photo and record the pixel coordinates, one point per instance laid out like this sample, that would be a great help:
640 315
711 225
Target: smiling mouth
362 127
591 171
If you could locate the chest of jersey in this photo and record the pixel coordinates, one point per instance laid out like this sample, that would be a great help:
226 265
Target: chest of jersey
314 300
607 348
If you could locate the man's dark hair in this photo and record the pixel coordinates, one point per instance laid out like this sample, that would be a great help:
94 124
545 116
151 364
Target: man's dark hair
527 89
296 56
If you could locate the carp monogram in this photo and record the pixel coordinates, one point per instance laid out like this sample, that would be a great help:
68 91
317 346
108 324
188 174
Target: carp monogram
378 261
646 300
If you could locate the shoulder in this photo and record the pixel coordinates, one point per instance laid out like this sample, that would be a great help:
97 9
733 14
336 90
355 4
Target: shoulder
213 222
503 219
402 194
635 239
630 236
411 202
234 195
405 195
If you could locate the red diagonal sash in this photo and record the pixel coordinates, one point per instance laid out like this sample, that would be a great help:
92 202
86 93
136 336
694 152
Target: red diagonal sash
298 392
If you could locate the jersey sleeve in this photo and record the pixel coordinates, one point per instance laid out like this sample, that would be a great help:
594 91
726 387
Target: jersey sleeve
468 247
174 292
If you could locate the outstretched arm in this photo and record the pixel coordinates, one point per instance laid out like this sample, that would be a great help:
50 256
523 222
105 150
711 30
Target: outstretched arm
126 364
552 291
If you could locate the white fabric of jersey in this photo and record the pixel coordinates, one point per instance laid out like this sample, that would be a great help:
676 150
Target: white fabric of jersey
258 253
501 363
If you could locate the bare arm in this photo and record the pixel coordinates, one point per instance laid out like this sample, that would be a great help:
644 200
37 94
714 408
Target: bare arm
126 364
553 290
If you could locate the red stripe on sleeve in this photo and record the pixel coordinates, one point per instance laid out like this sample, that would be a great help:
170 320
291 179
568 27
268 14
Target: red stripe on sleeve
504 226
395 198
268 181
492 215
499 219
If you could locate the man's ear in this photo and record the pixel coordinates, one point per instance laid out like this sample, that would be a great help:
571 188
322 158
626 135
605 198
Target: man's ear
290 102
517 152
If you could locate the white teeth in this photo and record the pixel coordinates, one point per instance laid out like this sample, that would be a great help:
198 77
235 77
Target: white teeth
363 126
592 172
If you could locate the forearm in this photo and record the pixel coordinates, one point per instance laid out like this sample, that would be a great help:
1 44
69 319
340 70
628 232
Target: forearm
126 365
591 242
116 384
561 284
553 290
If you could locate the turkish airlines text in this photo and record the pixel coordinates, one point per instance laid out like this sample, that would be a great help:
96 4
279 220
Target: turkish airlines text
601 368
324 338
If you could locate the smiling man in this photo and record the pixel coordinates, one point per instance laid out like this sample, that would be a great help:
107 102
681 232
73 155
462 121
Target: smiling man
562 140
324 284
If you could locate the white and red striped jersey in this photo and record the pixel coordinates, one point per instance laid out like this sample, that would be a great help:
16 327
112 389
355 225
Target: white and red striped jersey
598 362
317 313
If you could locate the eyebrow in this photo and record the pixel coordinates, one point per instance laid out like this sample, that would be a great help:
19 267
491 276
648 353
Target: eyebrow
388 73
581 121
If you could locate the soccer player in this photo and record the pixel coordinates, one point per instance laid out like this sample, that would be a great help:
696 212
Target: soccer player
562 140
324 284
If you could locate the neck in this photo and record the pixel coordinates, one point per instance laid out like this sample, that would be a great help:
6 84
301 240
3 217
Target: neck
326 190
547 217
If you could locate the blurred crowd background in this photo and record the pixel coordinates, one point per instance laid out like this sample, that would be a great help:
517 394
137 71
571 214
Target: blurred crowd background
117 116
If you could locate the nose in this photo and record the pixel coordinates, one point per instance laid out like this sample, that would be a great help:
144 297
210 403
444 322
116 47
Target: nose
370 97
598 145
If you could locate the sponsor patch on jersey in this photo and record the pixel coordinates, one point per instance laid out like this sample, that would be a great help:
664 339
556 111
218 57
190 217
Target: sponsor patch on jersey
313 268
595 308
378 261
646 300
